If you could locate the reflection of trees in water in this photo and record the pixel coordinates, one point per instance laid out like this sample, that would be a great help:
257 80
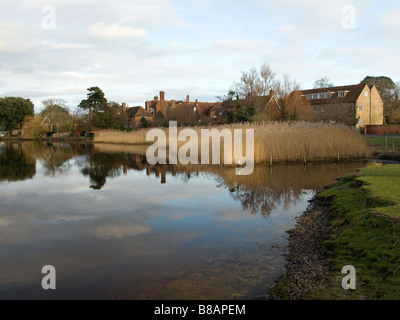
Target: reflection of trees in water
264 191
56 159
100 166
280 186
264 199
14 165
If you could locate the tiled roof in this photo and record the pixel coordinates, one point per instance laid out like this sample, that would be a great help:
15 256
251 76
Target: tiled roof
352 94
138 112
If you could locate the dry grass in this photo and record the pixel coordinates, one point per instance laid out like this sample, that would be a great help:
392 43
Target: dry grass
120 137
276 142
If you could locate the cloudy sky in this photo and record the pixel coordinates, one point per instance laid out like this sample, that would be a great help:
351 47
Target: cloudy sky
133 49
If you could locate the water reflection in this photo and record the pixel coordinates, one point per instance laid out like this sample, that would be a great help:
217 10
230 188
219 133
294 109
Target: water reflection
14 165
262 192
116 227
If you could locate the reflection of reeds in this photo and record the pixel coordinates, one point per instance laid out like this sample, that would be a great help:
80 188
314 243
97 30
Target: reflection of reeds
121 148
276 142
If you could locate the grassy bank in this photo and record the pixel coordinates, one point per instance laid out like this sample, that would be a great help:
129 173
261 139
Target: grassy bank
362 230
276 142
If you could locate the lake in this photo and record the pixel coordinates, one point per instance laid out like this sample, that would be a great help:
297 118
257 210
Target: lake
115 227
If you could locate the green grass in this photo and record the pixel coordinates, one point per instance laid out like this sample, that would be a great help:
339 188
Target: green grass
381 144
384 183
364 231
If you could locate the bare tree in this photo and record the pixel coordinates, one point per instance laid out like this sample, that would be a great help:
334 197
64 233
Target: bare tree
268 79
57 113
250 84
290 99
323 83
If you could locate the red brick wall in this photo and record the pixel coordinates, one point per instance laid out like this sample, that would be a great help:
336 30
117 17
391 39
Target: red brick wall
382 129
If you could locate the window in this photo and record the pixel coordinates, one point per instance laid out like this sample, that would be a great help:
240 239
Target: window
361 107
315 96
315 109
322 96
361 122
366 93
342 94
323 109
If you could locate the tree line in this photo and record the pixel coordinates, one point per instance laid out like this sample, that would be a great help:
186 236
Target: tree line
244 102
93 112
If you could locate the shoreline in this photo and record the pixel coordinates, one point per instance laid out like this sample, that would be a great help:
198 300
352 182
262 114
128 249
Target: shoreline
307 265
355 222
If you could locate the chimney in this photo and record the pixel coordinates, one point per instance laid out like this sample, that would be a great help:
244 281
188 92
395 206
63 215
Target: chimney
124 107
187 99
156 98
172 103
271 92
162 96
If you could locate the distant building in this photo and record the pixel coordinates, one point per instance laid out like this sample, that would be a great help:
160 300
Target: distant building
217 112
84 130
135 115
183 110
343 104
266 107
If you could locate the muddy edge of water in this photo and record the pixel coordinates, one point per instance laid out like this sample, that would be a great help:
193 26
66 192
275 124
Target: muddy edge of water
307 266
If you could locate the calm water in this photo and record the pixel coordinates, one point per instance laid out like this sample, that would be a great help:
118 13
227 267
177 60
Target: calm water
116 228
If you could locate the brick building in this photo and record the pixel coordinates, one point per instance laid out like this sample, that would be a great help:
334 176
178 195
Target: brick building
340 104
192 110
135 115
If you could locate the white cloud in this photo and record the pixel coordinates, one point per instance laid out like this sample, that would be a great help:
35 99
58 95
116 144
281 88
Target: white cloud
114 32
58 46
134 48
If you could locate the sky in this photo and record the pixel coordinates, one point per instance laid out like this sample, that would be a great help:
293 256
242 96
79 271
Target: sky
132 50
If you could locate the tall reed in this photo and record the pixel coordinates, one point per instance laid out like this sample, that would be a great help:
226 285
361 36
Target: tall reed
275 141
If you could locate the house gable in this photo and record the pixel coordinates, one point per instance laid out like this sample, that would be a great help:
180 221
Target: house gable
369 107
335 104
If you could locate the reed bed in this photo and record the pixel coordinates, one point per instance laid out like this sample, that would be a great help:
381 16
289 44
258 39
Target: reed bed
274 142
137 137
